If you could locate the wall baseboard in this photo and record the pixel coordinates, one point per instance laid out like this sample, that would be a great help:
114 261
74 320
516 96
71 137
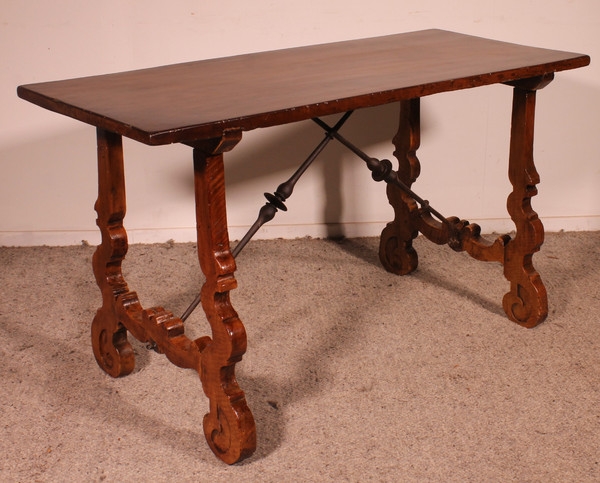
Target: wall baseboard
350 230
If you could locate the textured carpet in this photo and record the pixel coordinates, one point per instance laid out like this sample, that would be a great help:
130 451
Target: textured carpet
353 374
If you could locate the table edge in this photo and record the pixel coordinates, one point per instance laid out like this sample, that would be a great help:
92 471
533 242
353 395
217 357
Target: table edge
297 113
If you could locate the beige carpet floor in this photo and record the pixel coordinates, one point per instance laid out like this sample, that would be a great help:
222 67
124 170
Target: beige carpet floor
353 374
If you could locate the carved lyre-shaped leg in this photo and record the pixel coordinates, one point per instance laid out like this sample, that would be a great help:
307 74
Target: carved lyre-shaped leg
229 426
109 337
526 303
396 252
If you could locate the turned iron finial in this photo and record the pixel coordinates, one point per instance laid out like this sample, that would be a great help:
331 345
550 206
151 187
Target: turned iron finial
380 170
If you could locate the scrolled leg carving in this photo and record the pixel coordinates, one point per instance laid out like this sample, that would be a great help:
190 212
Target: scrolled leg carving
526 303
229 426
111 348
109 337
396 252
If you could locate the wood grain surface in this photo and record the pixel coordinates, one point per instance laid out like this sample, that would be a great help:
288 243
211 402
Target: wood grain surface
198 100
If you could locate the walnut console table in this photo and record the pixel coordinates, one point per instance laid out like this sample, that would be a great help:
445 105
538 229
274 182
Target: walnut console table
209 104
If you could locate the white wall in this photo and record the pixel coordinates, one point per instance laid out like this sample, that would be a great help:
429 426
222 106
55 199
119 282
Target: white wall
47 161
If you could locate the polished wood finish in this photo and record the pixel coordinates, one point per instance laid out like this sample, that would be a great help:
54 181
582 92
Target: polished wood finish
208 104
395 245
229 426
196 100
109 337
526 303
121 310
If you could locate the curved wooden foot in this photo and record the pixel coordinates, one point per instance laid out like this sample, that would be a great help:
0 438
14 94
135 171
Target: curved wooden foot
224 434
111 348
526 304
527 301
396 252
229 426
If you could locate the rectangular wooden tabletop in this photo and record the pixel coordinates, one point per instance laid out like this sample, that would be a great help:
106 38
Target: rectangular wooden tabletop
198 100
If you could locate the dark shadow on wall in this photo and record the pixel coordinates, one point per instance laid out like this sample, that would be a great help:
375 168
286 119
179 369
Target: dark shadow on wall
285 150
61 168
280 152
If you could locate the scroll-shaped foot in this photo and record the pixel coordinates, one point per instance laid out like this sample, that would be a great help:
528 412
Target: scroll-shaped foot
527 303
396 252
111 349
229 428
